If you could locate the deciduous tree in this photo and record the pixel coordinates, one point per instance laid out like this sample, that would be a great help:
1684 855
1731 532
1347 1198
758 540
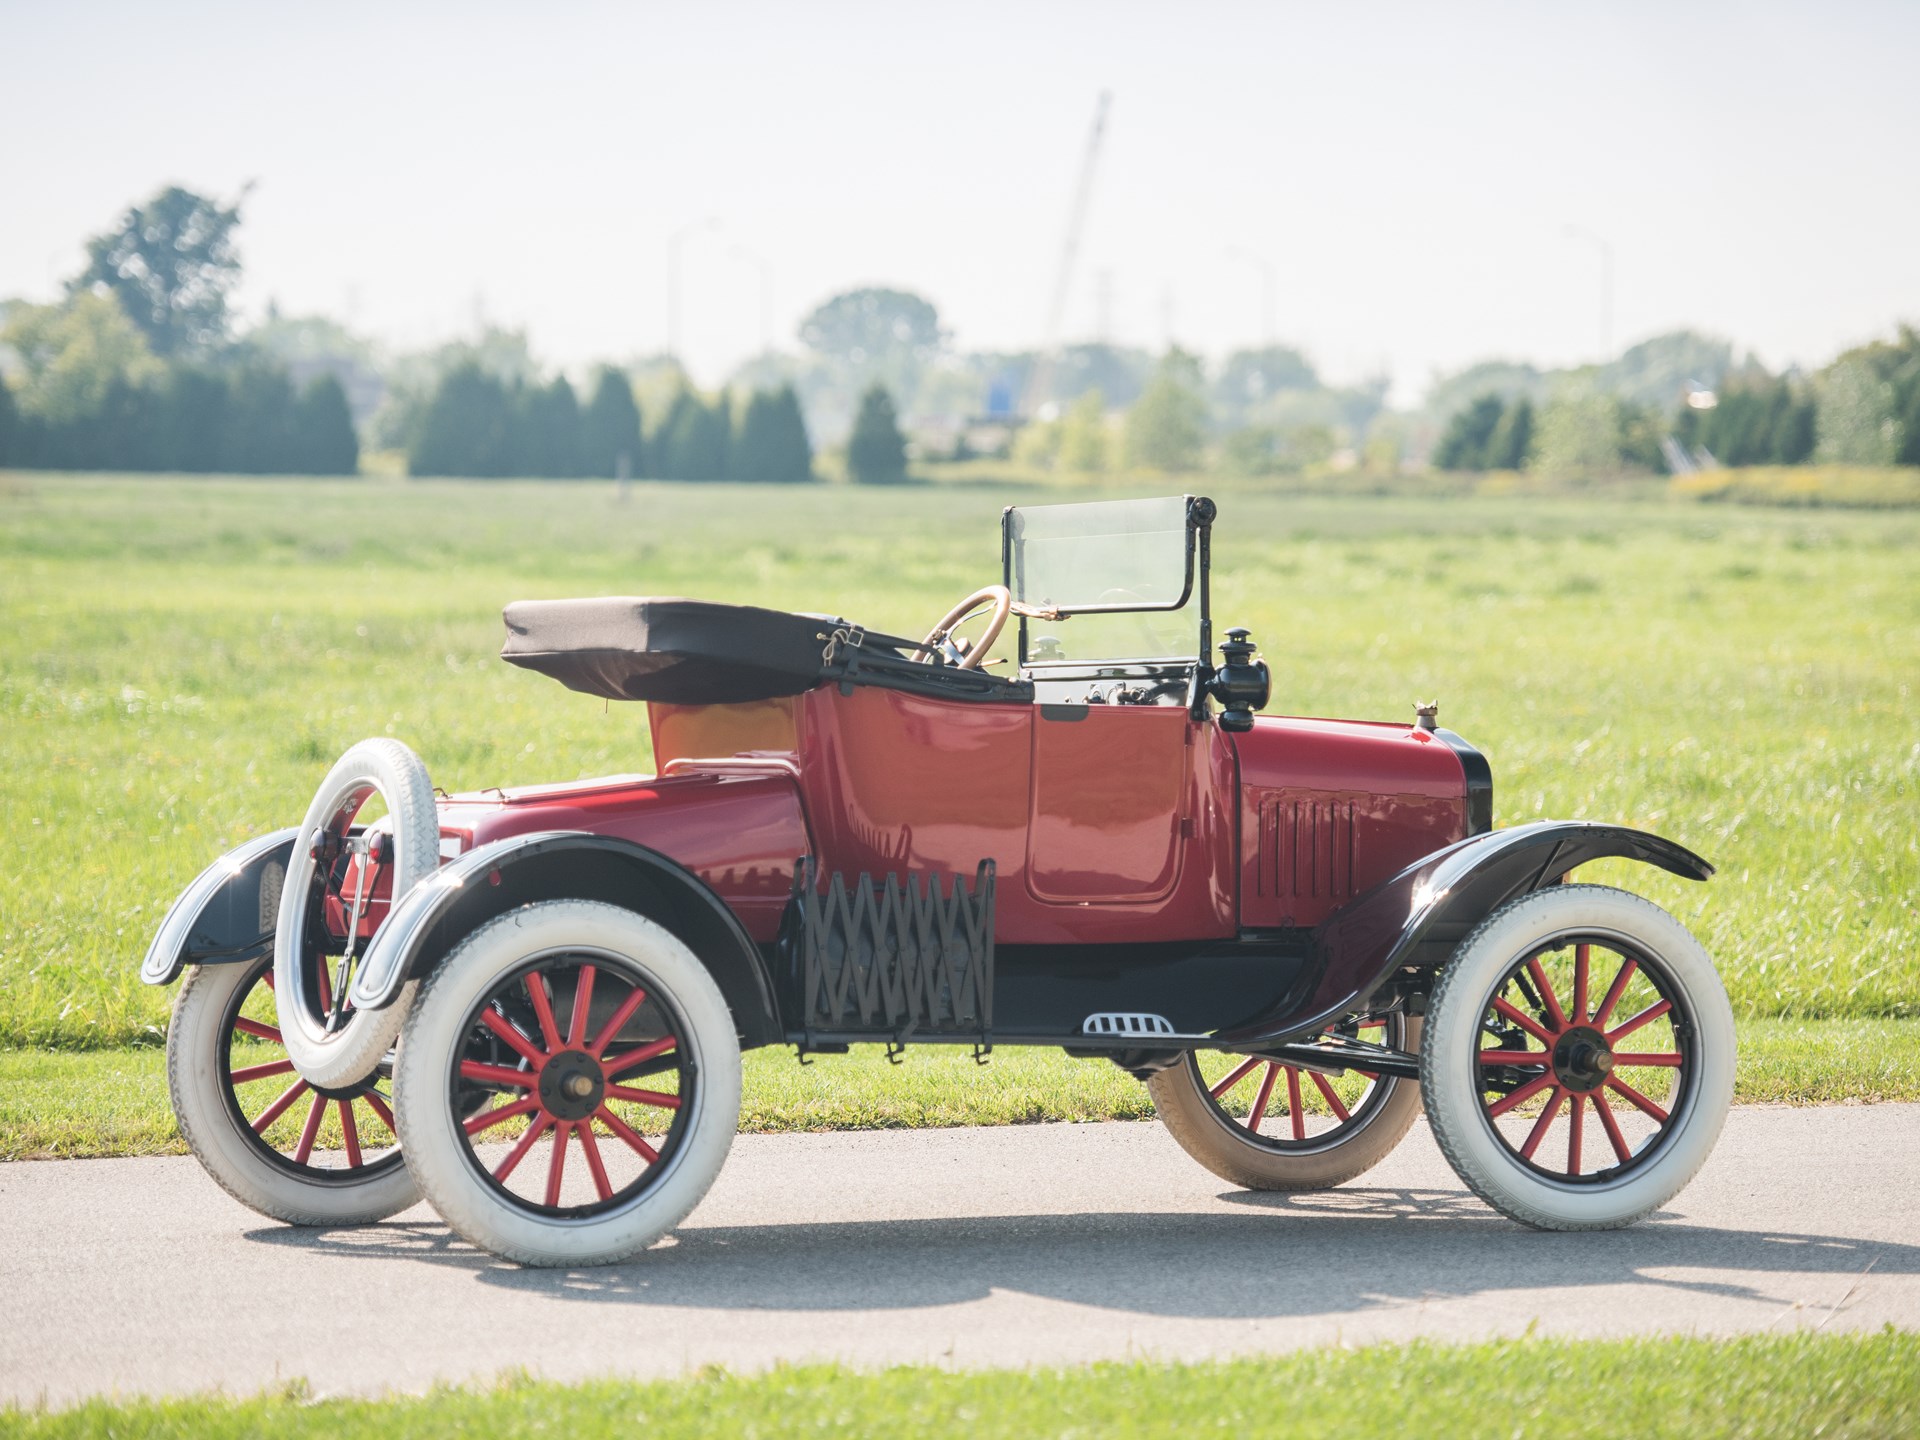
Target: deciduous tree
72 352
171 263
1083 436
1166 428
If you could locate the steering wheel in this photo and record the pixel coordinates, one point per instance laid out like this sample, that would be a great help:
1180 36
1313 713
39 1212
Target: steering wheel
941 646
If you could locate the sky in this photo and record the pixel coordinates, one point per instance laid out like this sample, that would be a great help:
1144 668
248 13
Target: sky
1420 185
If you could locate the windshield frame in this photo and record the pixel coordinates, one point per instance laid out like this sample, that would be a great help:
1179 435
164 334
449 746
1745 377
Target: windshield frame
1200 515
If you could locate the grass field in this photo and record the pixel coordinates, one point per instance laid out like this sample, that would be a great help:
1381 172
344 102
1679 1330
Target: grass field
1841 1387
180 661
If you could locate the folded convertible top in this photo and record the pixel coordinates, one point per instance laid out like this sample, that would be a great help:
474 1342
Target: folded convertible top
685 652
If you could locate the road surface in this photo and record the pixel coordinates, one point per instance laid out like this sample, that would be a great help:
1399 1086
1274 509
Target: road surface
1044 1243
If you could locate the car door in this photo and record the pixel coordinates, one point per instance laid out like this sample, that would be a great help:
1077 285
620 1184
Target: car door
1111 803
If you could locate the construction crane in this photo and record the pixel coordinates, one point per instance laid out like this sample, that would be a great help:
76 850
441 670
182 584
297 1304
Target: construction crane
1040 381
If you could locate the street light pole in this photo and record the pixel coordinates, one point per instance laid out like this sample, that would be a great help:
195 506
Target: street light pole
740 252
1605 246
674 242
1269 288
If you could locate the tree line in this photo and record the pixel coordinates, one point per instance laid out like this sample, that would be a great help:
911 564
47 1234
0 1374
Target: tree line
246 421
478 424
135 369
1863 409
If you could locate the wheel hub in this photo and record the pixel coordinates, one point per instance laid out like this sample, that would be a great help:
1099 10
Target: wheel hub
572 1085
1582 1059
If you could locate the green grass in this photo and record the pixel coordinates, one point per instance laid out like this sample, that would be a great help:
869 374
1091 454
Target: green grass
1796 1385
78 1104
181 659
1872 487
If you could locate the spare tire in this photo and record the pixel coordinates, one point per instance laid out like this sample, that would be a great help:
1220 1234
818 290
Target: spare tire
332 1044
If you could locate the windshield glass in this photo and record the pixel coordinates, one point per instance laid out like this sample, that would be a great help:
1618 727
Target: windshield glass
1107 566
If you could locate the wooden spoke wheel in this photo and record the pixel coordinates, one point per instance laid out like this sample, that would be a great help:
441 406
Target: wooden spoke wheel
271 1139
1578 1063
1268 1125
569 1084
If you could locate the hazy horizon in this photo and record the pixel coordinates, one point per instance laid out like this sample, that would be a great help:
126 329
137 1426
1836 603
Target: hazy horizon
1410 173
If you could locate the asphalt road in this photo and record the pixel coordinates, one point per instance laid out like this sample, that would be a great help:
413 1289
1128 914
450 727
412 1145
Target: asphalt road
1055 1243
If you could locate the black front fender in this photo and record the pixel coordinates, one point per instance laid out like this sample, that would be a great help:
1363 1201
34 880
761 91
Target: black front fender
1420 916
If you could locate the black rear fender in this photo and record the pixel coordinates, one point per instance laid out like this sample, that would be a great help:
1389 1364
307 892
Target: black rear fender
487 882
227 914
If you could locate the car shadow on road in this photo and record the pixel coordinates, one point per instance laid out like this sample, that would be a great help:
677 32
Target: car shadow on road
1335 1252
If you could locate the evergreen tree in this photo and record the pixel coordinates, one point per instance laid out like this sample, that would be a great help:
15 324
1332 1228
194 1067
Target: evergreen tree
9 424
1793 433
1507 446
610 427
692 441
795 448
1463 446
191 419
323 430
120 434
771 444
752 455
465 428
260 435
545 431
876 451
720 436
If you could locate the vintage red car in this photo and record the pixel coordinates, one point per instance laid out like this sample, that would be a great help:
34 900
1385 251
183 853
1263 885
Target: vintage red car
529 1005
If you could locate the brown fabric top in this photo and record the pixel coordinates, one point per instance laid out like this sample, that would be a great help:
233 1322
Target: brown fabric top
686 652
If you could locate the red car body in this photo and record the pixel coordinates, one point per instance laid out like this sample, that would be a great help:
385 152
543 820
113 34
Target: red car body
1107 825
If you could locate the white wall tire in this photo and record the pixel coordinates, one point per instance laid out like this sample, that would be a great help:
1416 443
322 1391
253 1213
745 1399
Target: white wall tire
281 1173
1326 1130
495 1039
1563 980
345 1050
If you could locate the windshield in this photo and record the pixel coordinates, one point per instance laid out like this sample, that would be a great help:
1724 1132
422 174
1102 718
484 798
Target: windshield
1108 567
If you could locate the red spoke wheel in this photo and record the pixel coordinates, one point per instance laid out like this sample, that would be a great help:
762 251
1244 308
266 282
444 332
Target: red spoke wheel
569 1084
1579 1058
269 1137
1273 1126
576 1085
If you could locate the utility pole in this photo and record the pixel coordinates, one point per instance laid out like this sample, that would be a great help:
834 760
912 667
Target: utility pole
1605 247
